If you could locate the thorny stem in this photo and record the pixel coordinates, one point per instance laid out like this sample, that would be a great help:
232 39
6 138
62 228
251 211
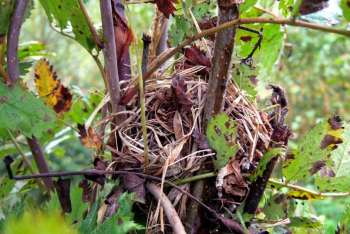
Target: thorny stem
13 39
168 54
110 54
94 34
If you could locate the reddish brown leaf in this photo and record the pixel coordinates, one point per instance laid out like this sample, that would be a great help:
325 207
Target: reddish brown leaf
318 165
87 191
329 140
336 122
245 38
135 184
167 7
89 138
200 140
62 187
112 200
124 37
195 56
312 6
179 87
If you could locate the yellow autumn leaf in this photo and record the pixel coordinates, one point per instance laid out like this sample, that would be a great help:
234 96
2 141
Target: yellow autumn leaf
304 195
50 89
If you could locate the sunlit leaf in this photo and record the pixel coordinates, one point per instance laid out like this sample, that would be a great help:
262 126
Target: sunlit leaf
304 195
50 88
52 223
304 222
22 111
221 134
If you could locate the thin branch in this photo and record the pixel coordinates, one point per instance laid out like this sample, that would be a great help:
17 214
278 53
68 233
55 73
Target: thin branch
302 189
94 34
110 54
170 211
167 55
13 39
40 161
20 151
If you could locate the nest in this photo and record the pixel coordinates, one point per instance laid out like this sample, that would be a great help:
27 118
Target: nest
177 145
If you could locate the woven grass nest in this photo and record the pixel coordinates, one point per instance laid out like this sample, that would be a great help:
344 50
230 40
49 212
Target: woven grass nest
177 145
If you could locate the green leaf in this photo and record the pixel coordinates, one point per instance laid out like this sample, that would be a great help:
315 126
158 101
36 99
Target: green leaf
6 8
340 165
67 13
345 6
244 77
271 153
221 134
276 207
271 44
31 48
286 6
35 222
304 222
21 111
344 224
309 151
180 29
246 5
90 221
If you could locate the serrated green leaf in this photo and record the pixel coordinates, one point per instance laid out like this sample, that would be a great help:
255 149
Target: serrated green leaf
221 134
340 165
309 151
22 111
271 153
345 6
67 13
243 75
180 29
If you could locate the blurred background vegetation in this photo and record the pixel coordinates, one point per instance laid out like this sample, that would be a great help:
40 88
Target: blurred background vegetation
314 69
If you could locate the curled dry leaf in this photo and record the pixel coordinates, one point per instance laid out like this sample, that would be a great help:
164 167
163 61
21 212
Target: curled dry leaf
50 89
62 187
167 7
89 138
179 87
124 37
312 6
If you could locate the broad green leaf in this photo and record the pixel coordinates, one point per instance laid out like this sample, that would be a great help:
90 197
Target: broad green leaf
314 147
221 134
67 13
271 153
180 29
31 48
345 6
271 45
35 222
22 111
245 76
340 165
286 6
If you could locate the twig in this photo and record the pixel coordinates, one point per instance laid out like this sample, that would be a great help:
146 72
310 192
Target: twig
162 59
20 151
110 55
40 161
94 34
170 211
196 178
302 189
13 39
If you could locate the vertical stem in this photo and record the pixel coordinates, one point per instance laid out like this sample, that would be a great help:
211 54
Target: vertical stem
13 39
221 62
110 54
40 161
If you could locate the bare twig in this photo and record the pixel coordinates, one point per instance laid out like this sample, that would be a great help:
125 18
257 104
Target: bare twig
170 211
13 39
94 34
164 57
110 55
40 161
